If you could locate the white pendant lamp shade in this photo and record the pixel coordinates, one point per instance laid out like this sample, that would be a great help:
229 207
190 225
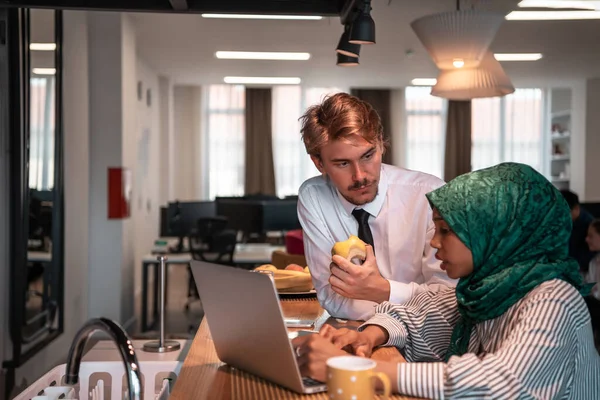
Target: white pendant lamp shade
487 80
457 39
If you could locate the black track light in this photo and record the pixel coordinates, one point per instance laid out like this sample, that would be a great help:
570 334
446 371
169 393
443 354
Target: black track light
345 47
363 27
346 61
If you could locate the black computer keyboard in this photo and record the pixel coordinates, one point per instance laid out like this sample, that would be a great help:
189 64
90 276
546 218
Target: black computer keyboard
309 382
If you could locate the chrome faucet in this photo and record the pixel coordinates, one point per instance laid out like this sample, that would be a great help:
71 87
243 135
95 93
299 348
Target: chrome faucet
125 346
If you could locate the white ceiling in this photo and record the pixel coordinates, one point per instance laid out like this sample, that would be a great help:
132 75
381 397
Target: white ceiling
182 46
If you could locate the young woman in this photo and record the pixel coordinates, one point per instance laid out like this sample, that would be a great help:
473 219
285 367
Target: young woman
515 326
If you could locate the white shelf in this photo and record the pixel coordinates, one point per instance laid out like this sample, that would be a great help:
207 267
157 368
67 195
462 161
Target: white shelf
559 119
561 114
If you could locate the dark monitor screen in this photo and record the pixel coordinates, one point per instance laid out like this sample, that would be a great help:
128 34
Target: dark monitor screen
259 216
280 215
182 217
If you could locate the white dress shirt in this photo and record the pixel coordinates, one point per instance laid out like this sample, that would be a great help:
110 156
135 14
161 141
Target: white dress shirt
402 229
542 347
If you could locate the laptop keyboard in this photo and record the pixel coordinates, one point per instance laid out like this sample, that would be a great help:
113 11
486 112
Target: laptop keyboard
309 382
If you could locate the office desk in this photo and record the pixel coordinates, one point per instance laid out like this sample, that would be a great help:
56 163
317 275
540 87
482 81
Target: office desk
245 255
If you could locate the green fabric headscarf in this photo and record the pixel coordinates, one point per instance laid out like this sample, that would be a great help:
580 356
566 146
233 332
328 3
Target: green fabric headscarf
517 225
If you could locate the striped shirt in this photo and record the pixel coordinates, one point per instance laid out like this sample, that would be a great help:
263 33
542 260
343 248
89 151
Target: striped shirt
540 348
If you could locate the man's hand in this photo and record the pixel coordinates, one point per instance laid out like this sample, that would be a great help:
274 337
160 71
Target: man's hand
361 282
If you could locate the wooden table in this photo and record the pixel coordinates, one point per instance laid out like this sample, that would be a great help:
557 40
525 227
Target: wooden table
204 376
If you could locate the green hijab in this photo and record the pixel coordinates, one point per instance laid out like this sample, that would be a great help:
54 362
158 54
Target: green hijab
517 225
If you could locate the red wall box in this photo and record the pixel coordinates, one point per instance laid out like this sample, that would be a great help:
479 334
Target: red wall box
119 193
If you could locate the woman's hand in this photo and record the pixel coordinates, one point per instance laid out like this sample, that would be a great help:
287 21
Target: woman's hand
312 353
352 341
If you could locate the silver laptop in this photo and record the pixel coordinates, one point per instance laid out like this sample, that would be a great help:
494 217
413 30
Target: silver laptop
247 325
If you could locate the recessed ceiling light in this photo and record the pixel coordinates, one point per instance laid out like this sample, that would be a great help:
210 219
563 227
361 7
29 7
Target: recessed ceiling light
458 63
42 46
517 56
423 81
262 80
260 16
552 15
44 71
262 55
584 5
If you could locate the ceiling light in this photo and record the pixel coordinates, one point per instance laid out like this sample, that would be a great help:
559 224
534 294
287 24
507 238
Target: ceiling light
363 27
584 5
423 81
345 47
487 80
262 55
458 63
262 80
42 46
518 56
260 16
464 34
346 61
44 71
551 15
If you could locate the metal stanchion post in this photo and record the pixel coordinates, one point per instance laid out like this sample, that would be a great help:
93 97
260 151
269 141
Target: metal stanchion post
161 345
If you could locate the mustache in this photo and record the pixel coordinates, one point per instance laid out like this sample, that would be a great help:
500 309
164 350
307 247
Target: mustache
359 184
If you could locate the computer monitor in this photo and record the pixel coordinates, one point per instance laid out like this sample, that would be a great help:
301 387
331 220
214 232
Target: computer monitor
182 218
259 216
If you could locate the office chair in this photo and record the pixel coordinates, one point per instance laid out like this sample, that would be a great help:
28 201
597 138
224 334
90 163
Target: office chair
211 243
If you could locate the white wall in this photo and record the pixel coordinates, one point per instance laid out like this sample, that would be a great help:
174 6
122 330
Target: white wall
125 132
187 175
106 122
147 180
167 152
129 138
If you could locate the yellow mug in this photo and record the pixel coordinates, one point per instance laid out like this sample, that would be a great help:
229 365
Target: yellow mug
352 378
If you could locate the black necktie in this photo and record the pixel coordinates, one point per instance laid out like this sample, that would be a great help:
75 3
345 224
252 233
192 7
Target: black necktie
364 232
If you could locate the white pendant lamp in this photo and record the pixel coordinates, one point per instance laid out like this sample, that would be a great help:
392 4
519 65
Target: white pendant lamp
487 80
457 39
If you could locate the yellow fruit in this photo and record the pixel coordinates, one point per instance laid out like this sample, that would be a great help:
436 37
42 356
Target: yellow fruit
350 249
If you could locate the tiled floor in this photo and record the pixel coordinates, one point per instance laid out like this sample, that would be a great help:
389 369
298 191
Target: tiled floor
178 322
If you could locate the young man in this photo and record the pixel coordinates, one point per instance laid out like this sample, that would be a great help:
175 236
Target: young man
344 139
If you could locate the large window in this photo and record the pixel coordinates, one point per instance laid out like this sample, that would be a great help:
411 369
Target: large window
226 144
226 131
292 165
425 127
508 129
